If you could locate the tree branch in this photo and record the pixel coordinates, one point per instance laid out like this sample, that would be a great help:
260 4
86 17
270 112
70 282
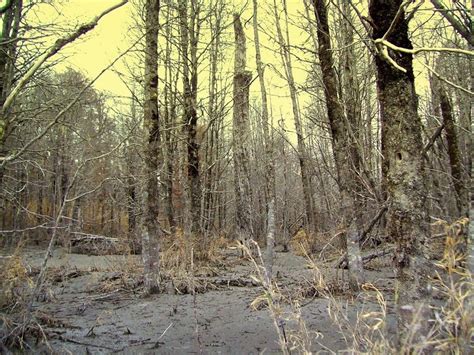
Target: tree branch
458 26
55 48
383 45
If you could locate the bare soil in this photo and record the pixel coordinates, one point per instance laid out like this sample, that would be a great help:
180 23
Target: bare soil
96 306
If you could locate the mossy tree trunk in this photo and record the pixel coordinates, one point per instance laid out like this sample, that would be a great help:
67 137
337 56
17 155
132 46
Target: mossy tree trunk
407 218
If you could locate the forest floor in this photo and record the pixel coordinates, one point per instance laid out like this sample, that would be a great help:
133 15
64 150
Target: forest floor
93 305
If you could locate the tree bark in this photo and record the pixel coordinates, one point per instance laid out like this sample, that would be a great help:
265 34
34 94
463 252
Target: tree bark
405 176
151 228
241 135
346 154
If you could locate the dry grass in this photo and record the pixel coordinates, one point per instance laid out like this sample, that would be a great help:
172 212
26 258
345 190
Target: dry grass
371 329
15 282
183 258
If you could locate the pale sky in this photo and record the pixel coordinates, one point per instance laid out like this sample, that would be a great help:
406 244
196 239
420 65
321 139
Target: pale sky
94 51
97 49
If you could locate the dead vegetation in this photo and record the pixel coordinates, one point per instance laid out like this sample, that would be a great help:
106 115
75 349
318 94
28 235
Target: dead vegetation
190 266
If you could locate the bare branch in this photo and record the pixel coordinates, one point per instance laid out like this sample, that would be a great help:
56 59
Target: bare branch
458 26
55 48
383 45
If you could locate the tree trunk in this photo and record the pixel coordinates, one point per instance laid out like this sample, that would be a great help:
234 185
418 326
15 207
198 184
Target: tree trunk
241 135
303 156
151 228
455 160
269 160
189 42
169 121
346 154
401 137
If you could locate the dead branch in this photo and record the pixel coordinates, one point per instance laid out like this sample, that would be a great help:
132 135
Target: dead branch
342 263
372 223
55 48
432 139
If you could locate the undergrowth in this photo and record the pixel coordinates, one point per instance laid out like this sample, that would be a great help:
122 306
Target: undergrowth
373 329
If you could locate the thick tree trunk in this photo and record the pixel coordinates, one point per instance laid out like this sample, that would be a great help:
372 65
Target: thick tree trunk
151 228
241 135
346 154
401 137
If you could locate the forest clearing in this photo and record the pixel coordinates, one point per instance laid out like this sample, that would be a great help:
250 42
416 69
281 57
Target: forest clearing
236 177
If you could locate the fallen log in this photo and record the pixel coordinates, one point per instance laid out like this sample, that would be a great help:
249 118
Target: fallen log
92 244
342 262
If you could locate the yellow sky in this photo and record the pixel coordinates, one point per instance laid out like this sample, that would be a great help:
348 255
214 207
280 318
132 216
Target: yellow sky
97 49
94 51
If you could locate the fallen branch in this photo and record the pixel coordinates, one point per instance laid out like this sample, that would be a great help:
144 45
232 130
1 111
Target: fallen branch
93 237
372 223
432 139
70 340
342 262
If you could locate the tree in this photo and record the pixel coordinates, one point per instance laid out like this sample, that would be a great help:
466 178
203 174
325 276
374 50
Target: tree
151 228
305 164
240 135
189 49
346 153
269 159
405 177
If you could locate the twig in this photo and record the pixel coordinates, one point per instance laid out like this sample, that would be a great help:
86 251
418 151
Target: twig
164 331
372 223
432 139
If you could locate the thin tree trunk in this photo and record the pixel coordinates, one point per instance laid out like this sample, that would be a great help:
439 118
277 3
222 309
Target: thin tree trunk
189 42
269 161
169 121
151 228
455 160
303 156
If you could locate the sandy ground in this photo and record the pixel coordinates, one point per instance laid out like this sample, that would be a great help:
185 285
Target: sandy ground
100 311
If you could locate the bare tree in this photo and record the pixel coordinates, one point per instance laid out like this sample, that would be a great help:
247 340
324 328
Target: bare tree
269 159
346 153
405 176
151 228
190 26
240 135
305 164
